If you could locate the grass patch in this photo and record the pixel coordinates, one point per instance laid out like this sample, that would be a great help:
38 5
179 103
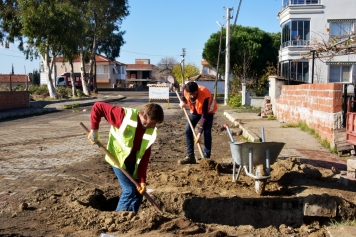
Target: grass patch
343 222
76 105
290 125
305 128
271 117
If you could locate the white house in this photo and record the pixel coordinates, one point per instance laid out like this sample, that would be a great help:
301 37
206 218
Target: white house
307 23
109 73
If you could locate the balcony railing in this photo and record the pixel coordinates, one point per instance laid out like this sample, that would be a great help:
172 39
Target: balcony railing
295 43
300 2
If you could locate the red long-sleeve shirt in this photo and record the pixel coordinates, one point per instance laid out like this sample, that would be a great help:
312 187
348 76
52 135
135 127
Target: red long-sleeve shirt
115 115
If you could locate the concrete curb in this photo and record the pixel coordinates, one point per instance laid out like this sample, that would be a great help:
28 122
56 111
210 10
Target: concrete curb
250 135
21 113
52 106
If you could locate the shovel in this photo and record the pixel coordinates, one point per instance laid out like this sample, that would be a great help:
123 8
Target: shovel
191 126
113 159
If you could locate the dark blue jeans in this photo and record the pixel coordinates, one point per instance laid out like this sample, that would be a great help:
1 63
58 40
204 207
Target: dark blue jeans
130 199
194 118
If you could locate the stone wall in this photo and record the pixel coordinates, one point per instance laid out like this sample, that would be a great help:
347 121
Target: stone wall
14 99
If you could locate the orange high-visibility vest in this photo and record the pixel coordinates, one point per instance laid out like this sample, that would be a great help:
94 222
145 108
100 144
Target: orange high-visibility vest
203 93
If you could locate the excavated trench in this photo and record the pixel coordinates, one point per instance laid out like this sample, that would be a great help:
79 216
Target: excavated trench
234 211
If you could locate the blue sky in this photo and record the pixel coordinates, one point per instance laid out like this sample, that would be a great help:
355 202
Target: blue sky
162 28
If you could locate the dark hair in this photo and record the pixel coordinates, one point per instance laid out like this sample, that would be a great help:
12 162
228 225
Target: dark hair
191 87
153 112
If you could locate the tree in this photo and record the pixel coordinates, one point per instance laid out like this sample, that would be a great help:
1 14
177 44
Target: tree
250 49
326 49
102 32
190 70
164 69
36 77
45 31
10 25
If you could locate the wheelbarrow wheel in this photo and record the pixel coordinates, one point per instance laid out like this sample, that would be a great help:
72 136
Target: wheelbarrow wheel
260 184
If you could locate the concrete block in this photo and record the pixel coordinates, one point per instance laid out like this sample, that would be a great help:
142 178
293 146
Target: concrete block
268 106
351 164
351 174
319 205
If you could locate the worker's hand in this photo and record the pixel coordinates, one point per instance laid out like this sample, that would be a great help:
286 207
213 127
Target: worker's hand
196 139
182 104
142 188
93 136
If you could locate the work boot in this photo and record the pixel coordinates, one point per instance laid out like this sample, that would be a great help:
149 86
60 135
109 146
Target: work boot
187 160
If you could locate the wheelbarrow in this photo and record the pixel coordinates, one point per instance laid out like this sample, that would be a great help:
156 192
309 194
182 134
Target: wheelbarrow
255 158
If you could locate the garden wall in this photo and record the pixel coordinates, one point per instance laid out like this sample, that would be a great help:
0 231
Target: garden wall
14 99
317 105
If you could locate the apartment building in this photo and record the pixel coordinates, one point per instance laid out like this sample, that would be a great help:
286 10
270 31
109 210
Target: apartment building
139 74
308 27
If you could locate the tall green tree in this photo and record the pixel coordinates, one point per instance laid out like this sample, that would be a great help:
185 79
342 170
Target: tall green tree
10 25
44 25
102 31
250 49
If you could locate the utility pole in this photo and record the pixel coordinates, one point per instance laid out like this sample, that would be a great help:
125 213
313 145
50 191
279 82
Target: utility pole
217 66
183 54
227 55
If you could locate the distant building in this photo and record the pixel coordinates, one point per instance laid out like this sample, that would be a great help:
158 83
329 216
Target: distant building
109 73
303 22
208 77
16 80
207 69
139 74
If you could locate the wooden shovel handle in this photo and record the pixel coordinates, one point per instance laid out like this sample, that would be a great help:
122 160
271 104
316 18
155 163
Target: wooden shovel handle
191 126
113 159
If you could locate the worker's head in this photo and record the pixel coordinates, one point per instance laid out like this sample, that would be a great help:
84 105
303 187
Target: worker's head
151 115
192 89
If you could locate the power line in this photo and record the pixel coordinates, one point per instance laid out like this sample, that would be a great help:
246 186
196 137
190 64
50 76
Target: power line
12 56
156 55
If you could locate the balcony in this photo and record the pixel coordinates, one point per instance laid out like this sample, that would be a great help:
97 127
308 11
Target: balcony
295 43
288 3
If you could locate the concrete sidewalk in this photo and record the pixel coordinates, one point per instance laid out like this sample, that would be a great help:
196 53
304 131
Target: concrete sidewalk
41 107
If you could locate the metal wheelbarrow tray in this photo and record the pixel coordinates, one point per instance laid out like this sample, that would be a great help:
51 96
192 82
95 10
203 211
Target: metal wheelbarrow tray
254 154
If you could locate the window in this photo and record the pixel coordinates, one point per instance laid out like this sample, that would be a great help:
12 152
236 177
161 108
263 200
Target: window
339 73
295 33
102 69
300 2
340 29
298 71
205 70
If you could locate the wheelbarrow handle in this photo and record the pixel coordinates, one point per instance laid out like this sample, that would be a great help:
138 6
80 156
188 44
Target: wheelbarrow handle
229 132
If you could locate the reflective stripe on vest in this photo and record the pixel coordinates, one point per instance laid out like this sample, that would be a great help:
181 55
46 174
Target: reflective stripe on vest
121 140
203 93
212 104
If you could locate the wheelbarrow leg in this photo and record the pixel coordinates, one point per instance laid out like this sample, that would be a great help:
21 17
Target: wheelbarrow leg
260 184
238 172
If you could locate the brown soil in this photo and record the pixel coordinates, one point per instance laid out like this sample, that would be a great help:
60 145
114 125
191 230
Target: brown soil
199 200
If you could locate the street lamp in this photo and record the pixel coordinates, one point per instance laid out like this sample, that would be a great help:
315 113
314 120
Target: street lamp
217 66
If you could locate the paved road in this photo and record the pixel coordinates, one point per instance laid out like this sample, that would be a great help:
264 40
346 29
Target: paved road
34 148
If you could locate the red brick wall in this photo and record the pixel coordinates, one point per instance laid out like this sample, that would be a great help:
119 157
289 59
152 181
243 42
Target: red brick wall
317 105
14 99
